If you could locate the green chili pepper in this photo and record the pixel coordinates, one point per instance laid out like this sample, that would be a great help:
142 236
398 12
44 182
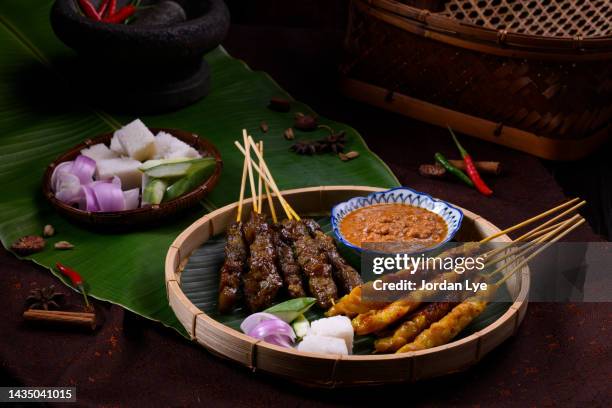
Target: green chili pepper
452 169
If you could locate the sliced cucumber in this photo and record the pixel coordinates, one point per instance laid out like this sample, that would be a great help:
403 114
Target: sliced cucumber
154 191
149 164
199 171
301 325
172 170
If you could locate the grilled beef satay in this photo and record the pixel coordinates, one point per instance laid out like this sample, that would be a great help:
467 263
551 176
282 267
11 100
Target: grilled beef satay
346 277
233 268
250 227
411 328
313 262
449 326
262 282
288 265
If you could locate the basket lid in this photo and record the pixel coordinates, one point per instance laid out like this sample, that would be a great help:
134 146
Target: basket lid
547 18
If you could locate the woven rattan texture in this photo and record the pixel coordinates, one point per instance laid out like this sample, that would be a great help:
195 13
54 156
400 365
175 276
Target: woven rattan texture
561 100
549 18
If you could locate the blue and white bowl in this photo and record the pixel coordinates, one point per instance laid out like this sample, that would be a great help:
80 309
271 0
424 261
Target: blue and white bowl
399 195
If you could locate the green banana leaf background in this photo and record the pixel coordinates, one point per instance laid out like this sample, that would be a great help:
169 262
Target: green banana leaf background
42 115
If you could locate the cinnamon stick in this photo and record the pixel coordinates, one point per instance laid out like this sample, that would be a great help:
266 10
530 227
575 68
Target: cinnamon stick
490 167
81 319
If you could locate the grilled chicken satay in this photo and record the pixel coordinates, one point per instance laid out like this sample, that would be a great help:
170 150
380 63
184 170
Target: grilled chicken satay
313 262
411 328
233 268
449 326
376 320
352 304
262 282
288 265
345 275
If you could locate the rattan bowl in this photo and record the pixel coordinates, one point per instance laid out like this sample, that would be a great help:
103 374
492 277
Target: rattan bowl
139 217
327 370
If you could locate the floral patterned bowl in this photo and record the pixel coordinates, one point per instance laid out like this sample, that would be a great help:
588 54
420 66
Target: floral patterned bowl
399 195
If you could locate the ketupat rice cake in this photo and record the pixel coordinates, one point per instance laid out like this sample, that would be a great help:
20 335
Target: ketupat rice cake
137 140
336 326
99 152
170 147
322 344
124 168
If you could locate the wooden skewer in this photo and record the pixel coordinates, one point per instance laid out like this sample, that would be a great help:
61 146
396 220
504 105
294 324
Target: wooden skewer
247 155
555 229
540 240
242 186
542 248
525 249
549 222
265 168
529 221
259 191
531 234
284 204
268 196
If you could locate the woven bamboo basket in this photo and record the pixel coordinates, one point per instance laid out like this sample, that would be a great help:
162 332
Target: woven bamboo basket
534 76
139 217
330 370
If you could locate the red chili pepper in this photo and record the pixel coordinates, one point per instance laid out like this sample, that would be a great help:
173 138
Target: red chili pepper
112 8
89 10
103 8
75 278
121 15
471 168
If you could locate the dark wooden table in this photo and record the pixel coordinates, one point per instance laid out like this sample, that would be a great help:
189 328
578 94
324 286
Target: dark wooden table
560 356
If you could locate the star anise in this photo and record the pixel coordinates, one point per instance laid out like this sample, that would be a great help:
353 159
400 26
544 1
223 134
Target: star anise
44 298
334 142
306 147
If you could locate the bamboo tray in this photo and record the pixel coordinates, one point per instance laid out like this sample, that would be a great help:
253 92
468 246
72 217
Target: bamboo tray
328 370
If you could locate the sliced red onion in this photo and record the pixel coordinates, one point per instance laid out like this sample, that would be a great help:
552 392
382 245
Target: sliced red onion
253 320
88 200
68 188
279 340
132 198
109 196
271 328
84 168
62 168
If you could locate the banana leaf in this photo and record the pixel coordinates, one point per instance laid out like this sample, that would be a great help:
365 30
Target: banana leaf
42 114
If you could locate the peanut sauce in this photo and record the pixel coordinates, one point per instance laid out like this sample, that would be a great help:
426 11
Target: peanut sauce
393 223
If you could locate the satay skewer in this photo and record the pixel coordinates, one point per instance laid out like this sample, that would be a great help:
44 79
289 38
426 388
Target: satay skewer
267 188
266 170
530 220
242 188
272 185
247 155
523 249
537 231
259 183
460 316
